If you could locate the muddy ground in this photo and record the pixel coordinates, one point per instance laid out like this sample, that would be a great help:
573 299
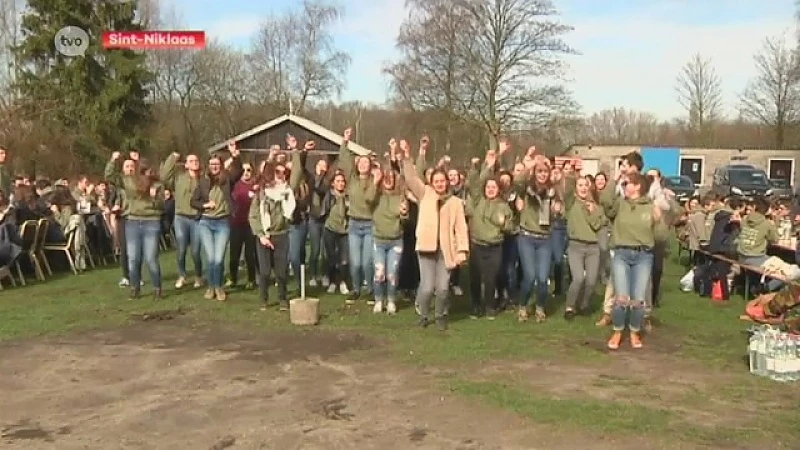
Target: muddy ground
169 385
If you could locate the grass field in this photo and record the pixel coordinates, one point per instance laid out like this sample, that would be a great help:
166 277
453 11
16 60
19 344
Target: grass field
688 388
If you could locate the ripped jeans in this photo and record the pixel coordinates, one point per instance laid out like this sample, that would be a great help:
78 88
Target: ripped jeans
387 256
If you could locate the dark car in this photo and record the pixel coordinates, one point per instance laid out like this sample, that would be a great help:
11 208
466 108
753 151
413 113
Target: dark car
682 186
742 181
781 189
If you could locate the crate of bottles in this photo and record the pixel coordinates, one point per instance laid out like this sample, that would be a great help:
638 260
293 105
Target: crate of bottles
774 353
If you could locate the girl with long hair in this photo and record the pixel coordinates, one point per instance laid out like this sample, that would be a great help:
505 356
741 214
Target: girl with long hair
144 198
391 209
242 238
361 190
334 210
637 225
584 219
442 239
212 198
490 219
270 212
537 204
183 182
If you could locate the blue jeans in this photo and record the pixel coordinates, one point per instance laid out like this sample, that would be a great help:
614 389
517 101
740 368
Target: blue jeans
186 235
315 228
297 247
630 271
535 257
214 236
387 267
359 240
142 238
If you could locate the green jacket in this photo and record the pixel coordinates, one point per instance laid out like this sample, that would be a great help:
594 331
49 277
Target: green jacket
141 206
263 207
634 224
386 219
337 214
530 217
582 224
361 192
489 220
5 181
756 232
182 186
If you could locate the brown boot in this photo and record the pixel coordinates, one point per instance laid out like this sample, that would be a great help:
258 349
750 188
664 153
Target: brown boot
221 294
210 294
604 321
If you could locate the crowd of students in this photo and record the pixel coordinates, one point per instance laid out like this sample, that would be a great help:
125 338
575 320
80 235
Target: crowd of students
396 226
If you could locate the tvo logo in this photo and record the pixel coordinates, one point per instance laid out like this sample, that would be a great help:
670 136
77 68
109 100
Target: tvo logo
71 41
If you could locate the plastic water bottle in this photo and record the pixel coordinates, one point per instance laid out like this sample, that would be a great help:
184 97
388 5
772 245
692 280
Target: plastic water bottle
755 336
794 355
761 357
780 372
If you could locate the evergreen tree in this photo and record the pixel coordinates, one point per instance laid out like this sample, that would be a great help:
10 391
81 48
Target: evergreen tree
100 99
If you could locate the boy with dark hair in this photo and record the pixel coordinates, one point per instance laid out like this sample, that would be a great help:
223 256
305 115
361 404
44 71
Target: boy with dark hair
757 233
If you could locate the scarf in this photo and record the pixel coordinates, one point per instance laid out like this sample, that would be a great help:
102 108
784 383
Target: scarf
280 193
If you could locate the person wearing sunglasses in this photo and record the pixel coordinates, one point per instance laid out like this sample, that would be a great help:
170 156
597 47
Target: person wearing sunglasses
242 238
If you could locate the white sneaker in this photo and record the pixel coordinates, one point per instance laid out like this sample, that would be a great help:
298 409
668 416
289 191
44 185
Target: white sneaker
331 288
312 282
124 282
416 309
141 283
343 288
457 291
378 308
180 283
326 281
391 308
198 282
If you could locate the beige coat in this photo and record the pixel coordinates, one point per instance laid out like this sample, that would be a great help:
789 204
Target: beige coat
448 227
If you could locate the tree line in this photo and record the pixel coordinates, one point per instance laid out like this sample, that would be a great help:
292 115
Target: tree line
468 71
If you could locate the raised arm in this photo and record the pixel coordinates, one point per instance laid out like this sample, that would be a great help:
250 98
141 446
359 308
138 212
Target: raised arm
413 180
112 172
168 171
346 161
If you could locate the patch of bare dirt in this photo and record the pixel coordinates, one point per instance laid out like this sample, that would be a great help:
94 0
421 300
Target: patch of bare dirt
164 385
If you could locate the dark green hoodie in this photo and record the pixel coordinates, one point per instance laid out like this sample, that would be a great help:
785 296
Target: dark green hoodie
755 234
489 220
361 192
182 185
634 224
138 206
386 219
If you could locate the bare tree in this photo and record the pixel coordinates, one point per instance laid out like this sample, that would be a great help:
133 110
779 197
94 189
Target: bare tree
700 93
515 61
296 57
322 67
620 126
773 96
9 36
430 75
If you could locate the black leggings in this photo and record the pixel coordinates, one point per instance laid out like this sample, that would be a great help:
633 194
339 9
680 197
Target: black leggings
123 247
242 238
338 257
485 265
276 260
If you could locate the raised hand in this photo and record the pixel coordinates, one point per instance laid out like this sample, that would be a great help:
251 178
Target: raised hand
405 148
233 149
309 145
115 156
504 146
423 143
475 161
491 158
377 175
134 155
291 142
153 191
348 134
